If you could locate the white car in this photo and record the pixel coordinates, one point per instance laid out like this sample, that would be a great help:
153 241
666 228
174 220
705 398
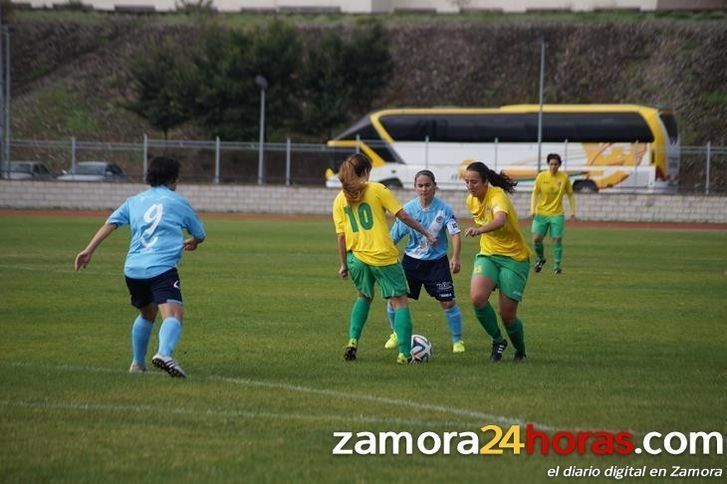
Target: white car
26 170
100 171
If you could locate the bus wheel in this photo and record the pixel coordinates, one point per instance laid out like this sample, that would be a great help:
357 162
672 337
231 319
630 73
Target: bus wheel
585 186
392 183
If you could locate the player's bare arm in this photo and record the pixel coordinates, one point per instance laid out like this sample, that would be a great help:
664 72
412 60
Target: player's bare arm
84 257
454 262
343 269
497 222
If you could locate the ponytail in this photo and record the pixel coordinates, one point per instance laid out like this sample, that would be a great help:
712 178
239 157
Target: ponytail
352 174
496 179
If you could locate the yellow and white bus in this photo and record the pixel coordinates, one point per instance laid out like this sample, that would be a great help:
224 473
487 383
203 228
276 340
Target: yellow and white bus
603 146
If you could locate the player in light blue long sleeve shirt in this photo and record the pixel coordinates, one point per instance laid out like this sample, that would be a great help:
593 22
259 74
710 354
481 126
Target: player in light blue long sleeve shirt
156 218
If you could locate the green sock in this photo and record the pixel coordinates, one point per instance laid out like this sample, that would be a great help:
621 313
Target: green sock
557 254
516 333
488 319
539 250
359 314
403 328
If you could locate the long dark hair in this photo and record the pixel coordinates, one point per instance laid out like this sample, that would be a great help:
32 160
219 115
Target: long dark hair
497 179
162 171
353 176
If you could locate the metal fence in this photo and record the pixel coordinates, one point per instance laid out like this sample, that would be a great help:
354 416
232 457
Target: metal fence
703 169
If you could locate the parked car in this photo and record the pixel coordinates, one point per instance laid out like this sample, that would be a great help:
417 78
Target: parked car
102 171
27 170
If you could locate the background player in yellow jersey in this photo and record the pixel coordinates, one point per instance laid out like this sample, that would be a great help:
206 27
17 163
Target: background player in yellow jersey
504 258
546 207
367 251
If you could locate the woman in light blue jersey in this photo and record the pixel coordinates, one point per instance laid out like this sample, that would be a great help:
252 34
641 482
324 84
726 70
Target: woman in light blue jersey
425 264
156 218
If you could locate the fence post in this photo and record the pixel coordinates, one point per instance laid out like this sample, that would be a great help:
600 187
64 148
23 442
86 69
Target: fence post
634 150
358 143
217 161
8 104
426 152
287 162
146 157
496 146
73 154
707 168
565 155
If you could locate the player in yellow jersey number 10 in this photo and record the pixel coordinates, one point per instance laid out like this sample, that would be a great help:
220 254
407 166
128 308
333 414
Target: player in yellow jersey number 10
368 253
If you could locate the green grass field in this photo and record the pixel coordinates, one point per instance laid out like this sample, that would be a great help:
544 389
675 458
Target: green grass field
632 336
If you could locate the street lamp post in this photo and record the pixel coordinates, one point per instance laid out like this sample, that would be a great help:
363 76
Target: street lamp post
7 30
540 109
262 83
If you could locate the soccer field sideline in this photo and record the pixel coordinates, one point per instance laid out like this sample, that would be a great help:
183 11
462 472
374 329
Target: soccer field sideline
524 222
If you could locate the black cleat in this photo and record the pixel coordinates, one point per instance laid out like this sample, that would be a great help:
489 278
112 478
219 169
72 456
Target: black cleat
497 350
168 364
350 353
557 271
520 357
539 265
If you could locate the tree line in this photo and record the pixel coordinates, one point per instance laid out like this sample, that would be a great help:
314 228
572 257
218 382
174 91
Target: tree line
312 89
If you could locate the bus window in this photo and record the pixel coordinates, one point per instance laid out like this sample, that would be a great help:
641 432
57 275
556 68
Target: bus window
595 127
407 128
365 132
670 123
363 129
479 128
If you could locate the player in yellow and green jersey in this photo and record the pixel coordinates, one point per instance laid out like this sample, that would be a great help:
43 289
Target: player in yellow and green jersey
546 207
503 262
367 251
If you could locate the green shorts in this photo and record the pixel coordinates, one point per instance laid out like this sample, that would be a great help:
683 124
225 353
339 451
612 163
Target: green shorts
544 223
510 276
391 278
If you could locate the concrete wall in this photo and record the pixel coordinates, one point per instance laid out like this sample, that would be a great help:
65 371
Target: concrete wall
317 201
384 6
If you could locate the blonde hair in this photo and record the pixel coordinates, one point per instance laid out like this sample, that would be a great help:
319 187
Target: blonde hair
352 174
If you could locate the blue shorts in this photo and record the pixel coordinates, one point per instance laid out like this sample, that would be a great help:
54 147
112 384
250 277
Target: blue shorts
161 289
433 274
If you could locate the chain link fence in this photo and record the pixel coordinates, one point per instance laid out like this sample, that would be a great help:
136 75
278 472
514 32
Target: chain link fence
703 169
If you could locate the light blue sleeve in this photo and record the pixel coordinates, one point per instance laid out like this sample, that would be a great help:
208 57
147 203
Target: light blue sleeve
398 231
452 225
120 217
192 222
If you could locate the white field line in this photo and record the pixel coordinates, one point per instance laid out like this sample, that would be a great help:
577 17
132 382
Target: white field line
81 406
466 417
45 270
41 269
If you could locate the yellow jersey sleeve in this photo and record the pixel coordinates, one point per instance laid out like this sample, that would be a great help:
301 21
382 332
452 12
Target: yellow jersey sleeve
387 197
339 215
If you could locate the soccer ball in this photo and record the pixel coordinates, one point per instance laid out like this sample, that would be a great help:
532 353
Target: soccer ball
421 348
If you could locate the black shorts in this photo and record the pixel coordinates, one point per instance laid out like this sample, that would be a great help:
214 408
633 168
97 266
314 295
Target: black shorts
433 274
164 288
